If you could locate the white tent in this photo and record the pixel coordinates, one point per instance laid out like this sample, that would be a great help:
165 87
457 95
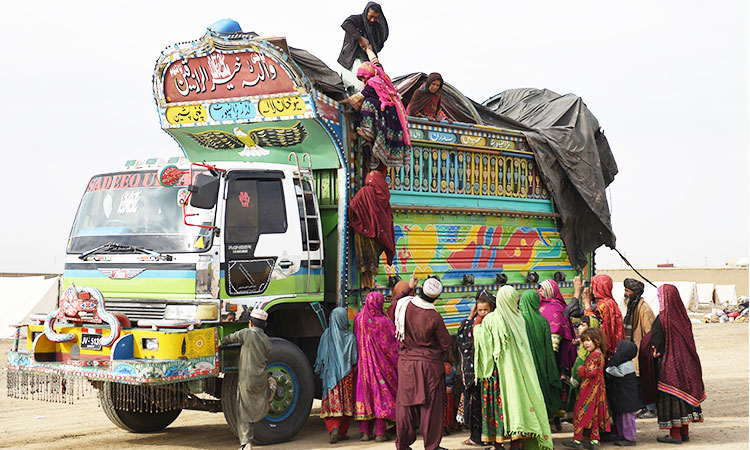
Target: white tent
22 296
726 293
706 293
688 293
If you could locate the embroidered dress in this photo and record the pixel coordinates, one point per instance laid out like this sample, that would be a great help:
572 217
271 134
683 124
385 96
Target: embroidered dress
679 374
383 117
340 400
384 127
591 407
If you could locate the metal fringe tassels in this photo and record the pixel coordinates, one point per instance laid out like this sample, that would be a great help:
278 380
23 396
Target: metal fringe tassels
47 387
149 399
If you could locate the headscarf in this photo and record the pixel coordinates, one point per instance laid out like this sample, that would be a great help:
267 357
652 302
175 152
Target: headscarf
612 325
425 101
376 78
376 33
680 373
501 340
552 307
538 331
370 213
377 378
337 352
631 321
626 351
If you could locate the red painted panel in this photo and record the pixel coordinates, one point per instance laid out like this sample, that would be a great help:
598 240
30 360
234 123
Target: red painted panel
225 75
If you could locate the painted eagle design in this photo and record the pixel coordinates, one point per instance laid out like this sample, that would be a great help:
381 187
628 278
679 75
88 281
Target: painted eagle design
253 142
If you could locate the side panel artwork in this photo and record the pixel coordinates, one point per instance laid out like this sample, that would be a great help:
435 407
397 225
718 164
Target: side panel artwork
455 245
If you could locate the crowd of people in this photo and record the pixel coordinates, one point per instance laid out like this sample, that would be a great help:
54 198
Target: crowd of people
521 363
521 367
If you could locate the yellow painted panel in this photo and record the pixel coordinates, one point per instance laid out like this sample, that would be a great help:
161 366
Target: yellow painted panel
474 140
186 114
198 343
279 107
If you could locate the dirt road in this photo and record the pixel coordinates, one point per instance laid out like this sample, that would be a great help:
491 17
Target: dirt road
723 349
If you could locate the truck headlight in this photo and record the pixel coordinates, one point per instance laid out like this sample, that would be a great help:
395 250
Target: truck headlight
180 312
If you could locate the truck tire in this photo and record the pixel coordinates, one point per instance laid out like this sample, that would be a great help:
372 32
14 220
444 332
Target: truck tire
133 421
292 403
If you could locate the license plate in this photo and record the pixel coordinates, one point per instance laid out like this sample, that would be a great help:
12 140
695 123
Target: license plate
91 341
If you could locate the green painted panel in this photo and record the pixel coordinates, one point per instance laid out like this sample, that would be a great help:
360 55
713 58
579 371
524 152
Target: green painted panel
155 288
251 142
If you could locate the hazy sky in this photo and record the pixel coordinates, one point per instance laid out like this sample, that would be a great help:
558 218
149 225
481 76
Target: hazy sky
667 80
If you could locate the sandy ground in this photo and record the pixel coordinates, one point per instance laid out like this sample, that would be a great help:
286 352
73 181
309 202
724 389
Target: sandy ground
723 349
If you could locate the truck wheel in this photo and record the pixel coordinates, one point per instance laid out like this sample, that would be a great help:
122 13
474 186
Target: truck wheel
133 421
292 402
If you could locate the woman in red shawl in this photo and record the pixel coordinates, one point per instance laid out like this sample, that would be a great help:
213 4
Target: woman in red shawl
371 218
383 119
608 312
426 101
377 379
677 368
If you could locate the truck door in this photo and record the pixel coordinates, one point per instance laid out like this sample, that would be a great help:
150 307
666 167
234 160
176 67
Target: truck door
262 235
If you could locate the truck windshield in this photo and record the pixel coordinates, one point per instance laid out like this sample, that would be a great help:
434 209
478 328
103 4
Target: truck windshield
132 208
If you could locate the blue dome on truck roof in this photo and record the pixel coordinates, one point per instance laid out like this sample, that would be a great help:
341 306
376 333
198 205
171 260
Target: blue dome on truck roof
225 26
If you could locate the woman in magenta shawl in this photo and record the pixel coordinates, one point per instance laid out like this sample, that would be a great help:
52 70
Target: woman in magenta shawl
383 119
552 306
377 381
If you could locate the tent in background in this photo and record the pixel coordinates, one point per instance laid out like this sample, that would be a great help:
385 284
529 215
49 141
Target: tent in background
726 293
22 296
688 293
706 293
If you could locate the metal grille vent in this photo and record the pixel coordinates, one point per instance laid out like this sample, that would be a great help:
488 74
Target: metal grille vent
137 311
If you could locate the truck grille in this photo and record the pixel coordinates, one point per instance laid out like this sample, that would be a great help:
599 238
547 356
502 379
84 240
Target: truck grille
137 311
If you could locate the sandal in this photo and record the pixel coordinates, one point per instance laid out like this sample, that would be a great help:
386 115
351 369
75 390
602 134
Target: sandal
469 443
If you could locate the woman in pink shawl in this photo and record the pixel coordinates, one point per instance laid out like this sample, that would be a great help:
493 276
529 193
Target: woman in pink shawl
383 119
377 382
552 306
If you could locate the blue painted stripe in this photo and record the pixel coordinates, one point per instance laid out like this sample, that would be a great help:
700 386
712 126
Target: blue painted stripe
145 274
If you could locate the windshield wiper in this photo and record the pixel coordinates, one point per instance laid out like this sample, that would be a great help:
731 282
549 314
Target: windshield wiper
114 246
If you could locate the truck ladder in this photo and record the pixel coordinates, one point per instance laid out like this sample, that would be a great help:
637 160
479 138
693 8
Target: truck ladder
305 174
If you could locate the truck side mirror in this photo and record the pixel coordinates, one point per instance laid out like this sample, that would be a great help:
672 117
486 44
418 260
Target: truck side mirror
204 192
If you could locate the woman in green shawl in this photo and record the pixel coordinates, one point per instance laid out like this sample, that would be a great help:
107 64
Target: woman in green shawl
540 340
513 404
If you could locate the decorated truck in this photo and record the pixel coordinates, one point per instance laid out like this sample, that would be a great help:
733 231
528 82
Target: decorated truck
168 256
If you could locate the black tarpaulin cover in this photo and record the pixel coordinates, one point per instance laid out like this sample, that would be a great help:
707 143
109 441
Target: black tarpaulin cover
322 76
574 157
